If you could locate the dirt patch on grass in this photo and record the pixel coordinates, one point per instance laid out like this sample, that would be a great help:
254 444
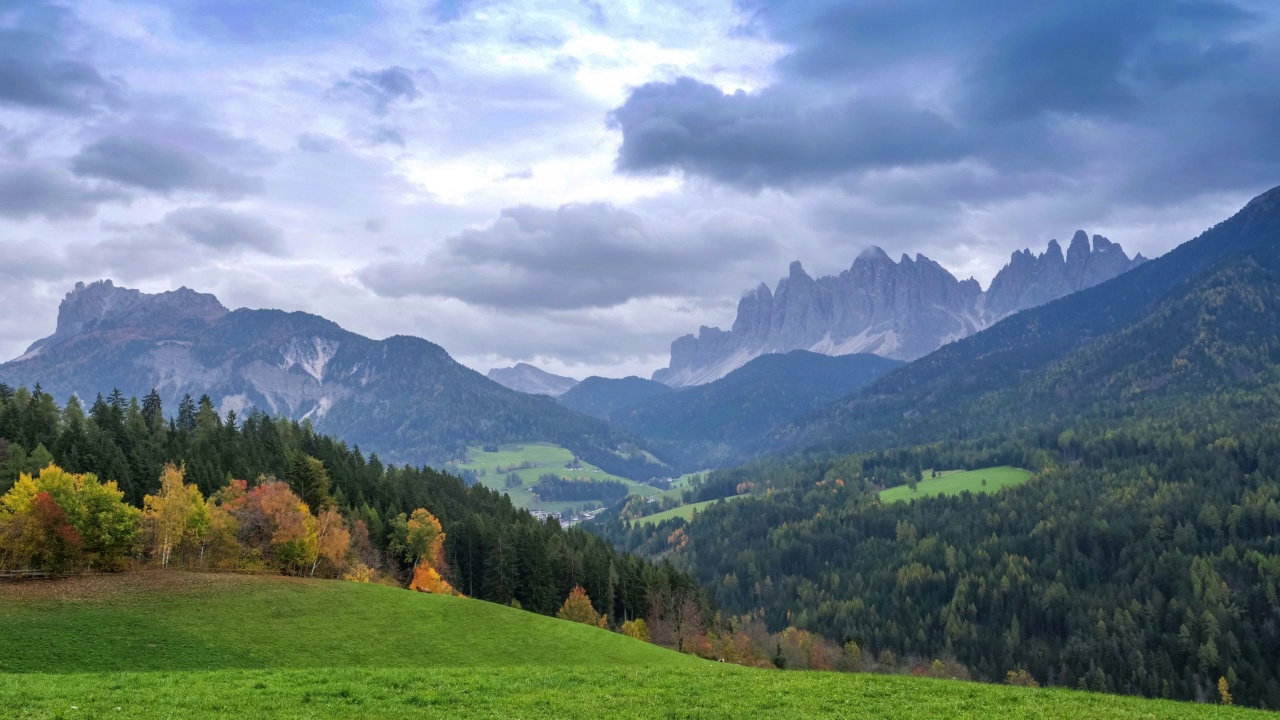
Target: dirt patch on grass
118 586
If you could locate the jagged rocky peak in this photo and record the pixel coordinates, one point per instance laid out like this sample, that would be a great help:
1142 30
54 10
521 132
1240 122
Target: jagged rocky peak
1029 280
100 303
901 310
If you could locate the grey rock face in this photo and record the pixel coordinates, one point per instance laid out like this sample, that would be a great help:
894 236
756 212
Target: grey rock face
526 378
901 310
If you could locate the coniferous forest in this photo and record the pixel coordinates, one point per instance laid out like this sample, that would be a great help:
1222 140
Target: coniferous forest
491 550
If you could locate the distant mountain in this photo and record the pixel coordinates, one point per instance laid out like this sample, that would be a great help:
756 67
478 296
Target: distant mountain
525 378
720 422
1101 350
402 397
602 397
901 310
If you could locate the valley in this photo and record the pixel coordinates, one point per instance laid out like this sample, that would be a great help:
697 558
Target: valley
529 462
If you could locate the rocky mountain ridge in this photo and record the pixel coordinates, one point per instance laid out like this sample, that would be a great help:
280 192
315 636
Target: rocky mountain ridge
902 310
526 378
403 397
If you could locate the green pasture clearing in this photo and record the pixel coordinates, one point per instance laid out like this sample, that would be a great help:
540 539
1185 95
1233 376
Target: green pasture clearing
546 458
178 645
954 482
684 511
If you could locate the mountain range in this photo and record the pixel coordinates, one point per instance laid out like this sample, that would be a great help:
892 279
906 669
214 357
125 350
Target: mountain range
1044 362
902 310
404 397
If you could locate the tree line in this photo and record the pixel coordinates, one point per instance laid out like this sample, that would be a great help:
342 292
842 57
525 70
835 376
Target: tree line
489 549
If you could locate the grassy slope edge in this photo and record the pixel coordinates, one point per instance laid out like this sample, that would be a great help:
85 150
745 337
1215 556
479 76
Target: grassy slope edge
182 645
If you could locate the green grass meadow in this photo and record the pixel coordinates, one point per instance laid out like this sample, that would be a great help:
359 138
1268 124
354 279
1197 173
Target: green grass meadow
547 458
180 645
953 482
684 511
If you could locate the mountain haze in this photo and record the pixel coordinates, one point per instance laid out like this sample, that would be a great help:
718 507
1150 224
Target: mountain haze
901 310
525 378
602 397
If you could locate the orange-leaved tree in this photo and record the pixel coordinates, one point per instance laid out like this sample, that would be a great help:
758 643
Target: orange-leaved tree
424 543
577 608
332 540
275 521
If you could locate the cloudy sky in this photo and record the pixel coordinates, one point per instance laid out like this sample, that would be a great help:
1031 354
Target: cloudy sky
577 183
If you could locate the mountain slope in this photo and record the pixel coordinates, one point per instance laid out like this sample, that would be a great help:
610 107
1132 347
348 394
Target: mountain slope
602 397
160 645
525 378
938 396
710 425
402 397
900 310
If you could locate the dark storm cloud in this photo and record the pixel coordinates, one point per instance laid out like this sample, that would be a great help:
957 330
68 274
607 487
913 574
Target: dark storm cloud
774 137
35 74
1160 99
578 256
38 72
380 88
223 229
32 190
162 166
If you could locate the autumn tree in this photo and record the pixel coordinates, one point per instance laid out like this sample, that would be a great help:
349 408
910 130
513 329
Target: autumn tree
637 629
423 545
427 579
332 539
577 608
47 509
54 543
275 521
174 515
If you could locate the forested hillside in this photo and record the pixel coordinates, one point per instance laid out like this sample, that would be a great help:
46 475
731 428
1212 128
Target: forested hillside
491 550
720 423
1140 559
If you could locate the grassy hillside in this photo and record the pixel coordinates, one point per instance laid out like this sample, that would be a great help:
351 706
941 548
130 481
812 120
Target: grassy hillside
180 645
954 483
684 511
546 458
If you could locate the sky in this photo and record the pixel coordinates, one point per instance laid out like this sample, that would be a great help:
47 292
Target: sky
576 184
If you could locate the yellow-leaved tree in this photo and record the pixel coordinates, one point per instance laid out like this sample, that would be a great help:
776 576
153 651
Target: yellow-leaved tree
175 516
637 629
577 608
